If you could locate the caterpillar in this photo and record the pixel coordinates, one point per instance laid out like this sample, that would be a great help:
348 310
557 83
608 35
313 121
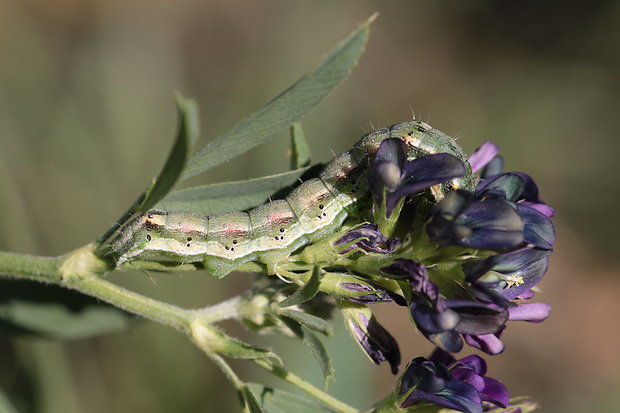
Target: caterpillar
273 231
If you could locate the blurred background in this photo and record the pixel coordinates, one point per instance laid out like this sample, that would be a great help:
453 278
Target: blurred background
87 116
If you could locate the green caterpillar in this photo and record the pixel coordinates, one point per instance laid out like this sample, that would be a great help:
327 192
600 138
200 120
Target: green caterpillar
271 232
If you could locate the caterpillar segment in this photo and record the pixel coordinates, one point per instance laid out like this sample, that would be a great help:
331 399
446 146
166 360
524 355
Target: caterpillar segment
346 180
277 232
271 232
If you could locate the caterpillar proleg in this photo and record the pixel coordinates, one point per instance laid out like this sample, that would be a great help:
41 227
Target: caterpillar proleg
271 232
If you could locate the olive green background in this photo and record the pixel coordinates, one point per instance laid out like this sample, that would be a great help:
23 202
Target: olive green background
87 116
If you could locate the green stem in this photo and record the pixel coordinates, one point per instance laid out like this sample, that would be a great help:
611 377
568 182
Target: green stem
80 269
132 302
222 311
228 372
304 386
31 267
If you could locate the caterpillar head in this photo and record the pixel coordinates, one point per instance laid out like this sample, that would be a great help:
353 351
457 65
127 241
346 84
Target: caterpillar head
135 236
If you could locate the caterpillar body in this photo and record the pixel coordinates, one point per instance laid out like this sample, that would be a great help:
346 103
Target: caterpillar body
271 232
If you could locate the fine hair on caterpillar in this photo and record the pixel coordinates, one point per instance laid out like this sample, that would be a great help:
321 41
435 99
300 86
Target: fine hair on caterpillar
271 232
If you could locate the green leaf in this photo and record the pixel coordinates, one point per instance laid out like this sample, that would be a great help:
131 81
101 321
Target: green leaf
250 401
280 401
229 196
212 339
300 150
313 343
309 320
305 293
285 108
187 133
28 308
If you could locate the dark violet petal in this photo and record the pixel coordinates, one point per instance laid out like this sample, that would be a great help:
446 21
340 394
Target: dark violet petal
386 167
542 208
477 318
475 269
425 375
494 225
476 363
373 296
464 397
368 238
457 396
441 356
429 170
417 275
393 150
449 341
431 321
537 227
368 231
489 343
495 392
516 185
510 184
494 167
377 342
526 265
453 204
422 173
484 292
491 224
532 312
530 191
483 155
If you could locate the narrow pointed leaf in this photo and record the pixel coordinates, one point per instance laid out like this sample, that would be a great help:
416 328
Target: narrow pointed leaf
187 133
314 344
313 322
229 196
250 401
300 150
285 108
305 293
280 401
212 339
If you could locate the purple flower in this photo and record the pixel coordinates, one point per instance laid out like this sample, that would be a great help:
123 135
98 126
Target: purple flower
367 238
502 278
537 227
375 340
391 174
442 321
472 370
508 275
515 187
459 385
490 224
491 343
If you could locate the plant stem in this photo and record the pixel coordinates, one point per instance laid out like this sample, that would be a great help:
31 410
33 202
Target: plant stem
31 267
304 386
222 311
132 302
80 270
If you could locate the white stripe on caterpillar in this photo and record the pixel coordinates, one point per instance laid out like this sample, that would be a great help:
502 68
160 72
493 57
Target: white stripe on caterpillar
271 232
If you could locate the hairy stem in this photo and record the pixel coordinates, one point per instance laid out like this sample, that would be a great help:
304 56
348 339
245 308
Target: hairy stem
80 270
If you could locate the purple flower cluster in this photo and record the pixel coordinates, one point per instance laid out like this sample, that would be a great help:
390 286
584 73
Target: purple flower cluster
472 267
